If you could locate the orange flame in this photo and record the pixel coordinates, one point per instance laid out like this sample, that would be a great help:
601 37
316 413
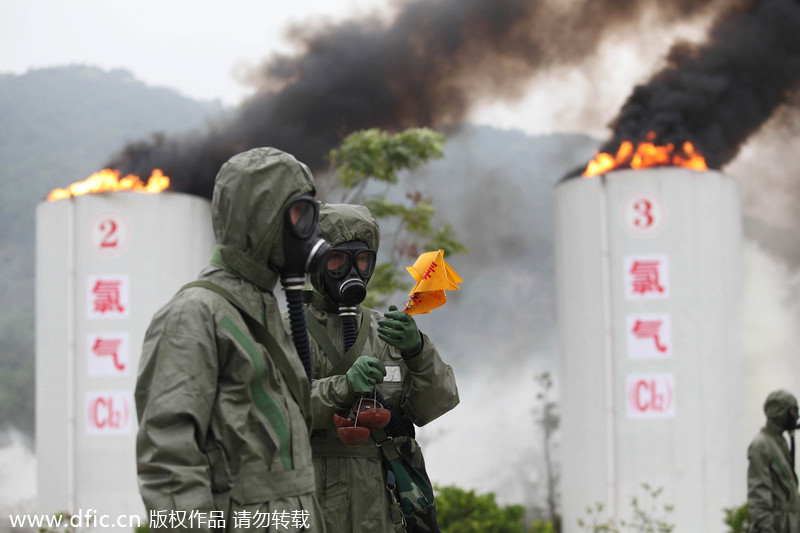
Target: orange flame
646 154
109 180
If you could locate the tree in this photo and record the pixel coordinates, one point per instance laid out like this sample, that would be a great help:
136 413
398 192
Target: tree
547 418
367 166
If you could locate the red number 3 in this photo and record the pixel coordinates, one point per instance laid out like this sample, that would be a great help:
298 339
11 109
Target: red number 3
644 209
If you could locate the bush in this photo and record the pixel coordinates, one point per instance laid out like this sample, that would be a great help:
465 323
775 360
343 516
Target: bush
462 511
737 518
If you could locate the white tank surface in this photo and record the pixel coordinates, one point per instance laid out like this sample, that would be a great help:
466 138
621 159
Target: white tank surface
648 266
105 263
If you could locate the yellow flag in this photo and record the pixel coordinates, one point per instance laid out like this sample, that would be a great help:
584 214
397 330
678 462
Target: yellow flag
433 276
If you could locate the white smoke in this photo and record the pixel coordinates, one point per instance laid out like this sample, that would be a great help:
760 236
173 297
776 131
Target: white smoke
491 442
766 169
17 478
586 97
771 336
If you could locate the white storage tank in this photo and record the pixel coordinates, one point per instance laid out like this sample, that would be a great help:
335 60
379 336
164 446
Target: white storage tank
648 267
104 264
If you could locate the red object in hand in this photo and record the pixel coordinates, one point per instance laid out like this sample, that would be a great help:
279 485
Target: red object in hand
366 414
374 418
353 435
342 422
370 413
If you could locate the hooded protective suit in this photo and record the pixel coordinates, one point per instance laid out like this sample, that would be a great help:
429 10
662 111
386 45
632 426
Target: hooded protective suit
221 437
771 481
351 483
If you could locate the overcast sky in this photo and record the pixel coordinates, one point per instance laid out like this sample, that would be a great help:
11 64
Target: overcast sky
200 47
193 46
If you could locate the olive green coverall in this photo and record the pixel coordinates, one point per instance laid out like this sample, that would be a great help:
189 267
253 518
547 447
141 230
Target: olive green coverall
351 483
771 482
220 430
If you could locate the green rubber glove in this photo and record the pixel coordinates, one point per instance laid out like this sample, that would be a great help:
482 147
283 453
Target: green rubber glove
364 374
400 331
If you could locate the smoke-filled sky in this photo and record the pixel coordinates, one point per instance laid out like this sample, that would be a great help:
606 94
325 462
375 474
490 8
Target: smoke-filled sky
707 71
561 67
302 75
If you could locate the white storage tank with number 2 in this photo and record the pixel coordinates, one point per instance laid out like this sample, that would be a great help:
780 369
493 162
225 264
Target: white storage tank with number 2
104 264
648 266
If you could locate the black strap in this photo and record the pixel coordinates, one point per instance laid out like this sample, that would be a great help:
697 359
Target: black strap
385 443
297 387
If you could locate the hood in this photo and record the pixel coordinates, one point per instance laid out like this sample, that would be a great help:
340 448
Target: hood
342 223
251 191
777 406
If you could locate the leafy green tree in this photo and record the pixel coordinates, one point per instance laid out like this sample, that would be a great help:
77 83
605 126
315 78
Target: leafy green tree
464 511
367 166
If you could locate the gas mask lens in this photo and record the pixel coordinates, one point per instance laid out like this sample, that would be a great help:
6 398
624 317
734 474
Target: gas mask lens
341 261
301 215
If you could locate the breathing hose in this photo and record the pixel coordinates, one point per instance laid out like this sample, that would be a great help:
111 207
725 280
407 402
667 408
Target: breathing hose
293 287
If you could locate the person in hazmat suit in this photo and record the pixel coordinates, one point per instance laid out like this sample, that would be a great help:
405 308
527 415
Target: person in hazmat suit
357 350
222 396
771 479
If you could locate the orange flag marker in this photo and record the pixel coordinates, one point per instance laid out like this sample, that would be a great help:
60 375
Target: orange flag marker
433 276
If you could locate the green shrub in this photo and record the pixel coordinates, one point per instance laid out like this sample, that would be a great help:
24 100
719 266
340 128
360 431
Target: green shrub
463 511
737 518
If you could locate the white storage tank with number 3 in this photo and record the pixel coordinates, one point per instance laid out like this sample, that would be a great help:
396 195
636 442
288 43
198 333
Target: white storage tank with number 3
105 263
648 267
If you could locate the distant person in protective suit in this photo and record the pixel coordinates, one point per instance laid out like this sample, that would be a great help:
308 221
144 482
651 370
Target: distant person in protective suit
771 479
222 397
357 350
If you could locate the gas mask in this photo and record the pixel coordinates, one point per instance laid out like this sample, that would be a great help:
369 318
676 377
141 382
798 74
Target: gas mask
303 247
791 419
304 251
347 272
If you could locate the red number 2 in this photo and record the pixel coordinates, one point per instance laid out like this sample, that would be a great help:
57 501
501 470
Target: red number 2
109 240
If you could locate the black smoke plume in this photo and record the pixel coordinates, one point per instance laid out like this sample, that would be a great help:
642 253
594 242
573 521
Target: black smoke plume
428 67
717 94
